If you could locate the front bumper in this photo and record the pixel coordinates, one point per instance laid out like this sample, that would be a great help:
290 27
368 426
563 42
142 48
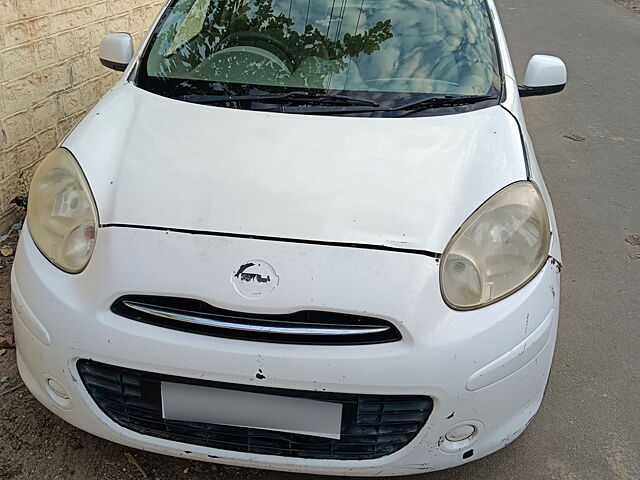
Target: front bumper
487 368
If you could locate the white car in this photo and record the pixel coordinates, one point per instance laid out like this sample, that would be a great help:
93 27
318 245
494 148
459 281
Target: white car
301 236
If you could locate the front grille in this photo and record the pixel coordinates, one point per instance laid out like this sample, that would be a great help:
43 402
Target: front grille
372 425
304 327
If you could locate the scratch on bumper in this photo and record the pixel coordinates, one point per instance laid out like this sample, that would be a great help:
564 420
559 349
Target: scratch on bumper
515 359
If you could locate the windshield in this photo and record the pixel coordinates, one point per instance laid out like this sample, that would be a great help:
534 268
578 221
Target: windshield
387 51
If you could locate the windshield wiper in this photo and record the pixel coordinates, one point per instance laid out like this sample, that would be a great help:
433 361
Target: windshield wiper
441 102
290 97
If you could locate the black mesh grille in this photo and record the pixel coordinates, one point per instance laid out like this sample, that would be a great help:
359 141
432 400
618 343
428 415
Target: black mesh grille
372 425
305 327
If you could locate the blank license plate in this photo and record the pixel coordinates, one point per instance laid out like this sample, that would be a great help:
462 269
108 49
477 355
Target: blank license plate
195 403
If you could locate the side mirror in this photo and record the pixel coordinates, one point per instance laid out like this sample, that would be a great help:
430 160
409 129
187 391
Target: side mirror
116 51
545 75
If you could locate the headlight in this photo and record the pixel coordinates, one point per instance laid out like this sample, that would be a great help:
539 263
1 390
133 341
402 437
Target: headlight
498 250
61 213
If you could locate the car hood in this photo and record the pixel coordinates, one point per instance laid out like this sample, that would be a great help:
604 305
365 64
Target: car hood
403 183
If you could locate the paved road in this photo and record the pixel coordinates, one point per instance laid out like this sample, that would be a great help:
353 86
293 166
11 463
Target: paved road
589 424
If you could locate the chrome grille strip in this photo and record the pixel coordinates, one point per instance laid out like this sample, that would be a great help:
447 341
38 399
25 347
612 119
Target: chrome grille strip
301 329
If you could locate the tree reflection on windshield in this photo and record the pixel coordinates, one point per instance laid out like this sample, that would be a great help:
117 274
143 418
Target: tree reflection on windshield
389 50
247 42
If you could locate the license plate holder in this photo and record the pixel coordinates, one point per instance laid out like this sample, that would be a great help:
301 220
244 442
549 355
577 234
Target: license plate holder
197 403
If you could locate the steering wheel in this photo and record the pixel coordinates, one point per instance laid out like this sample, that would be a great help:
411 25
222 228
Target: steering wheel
257 39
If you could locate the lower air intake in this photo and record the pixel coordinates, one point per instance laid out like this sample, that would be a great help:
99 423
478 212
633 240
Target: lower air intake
372 425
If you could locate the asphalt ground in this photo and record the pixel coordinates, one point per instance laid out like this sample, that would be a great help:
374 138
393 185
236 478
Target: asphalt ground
588 144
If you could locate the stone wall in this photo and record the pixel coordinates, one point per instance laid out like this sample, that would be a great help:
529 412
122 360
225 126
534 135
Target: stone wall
50 75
